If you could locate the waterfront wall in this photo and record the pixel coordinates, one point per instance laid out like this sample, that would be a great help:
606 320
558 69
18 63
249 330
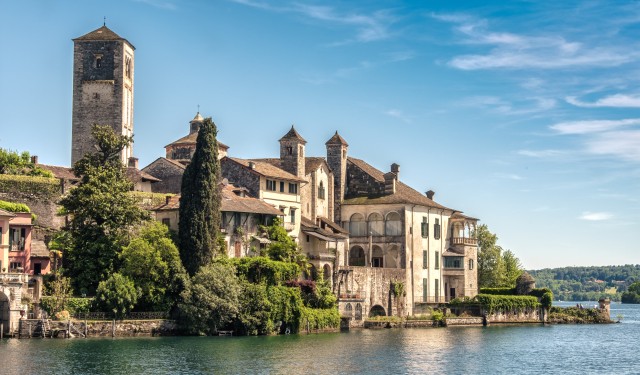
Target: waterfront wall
100 328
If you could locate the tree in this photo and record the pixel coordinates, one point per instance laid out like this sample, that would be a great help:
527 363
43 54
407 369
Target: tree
117 294
153 263
12 162
490 267
200 202
101 212
211 300
512 268
282 246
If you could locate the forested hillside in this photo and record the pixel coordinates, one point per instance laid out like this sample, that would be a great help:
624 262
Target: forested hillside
587 283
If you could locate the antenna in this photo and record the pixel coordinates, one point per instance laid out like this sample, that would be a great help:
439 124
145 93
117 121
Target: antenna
104 22
198 108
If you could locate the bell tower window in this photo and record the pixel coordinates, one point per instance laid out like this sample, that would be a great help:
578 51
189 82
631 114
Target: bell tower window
98 61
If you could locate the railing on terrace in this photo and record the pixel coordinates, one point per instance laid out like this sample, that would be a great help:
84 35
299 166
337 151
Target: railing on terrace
145 315
289 226
14 277
464 241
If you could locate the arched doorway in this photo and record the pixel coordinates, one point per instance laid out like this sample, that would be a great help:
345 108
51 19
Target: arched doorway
358 311
377 310
356 256
377 258
4 312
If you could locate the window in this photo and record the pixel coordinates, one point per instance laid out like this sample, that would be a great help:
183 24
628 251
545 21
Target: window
282 186
17 238
454 262
436 265
127 66
271 185
308 238
15 266
436 230
293 188
425 290
321 191
98 62
425 259
96 96
377 258
393 224
289 150
356 256
292 212
167 222
470 264
424 227
376 224
357 225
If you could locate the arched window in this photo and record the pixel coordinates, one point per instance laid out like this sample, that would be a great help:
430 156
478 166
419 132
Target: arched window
348 310
357 225
377 257
376 224
393 224
358 311
356 256
377 310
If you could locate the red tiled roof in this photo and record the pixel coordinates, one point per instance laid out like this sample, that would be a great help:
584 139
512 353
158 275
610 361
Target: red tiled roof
265 168
307 225
65 173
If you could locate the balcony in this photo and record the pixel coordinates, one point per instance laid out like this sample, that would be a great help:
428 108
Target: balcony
464 241
289 227
6 278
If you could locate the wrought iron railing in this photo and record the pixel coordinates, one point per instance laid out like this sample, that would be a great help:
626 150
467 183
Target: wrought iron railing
142 315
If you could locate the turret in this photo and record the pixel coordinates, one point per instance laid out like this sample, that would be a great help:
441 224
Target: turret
337 160
292 153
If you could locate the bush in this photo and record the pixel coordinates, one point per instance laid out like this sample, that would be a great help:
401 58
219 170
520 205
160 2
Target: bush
493 303
264 270
72 305
498 291
320 318
546 300
117 294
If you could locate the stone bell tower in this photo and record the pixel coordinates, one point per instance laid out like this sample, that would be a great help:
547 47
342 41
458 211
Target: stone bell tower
292 153
102 89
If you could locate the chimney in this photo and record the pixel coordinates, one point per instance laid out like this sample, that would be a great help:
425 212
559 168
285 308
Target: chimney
390 179
133 162
252 165
430 194
395 168
34 159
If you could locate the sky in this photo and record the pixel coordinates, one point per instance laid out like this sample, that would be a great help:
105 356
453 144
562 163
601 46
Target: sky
525 115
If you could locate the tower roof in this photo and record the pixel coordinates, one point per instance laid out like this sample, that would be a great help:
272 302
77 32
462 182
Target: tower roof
198 118
102 33
337 140
293 134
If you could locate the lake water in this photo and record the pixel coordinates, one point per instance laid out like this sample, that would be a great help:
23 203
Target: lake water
523 349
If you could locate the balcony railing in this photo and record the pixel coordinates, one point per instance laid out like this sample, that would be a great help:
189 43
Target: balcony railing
14 278
464 241
289 226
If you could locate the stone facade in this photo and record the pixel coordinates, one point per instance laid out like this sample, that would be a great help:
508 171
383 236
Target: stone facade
103 66
168 172
12 288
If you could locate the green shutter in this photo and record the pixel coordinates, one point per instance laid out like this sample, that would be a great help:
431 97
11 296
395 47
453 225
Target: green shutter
437 264
425 259
425 290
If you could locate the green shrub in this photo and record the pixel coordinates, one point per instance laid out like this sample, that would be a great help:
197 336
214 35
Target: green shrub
493 303
14 207
546 300
319 318
540 292
498 291
264 270
73 305
437 316
117 294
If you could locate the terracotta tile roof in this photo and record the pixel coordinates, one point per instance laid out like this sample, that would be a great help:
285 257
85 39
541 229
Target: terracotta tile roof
6 213
293 134
102 33
161 159
39 249
230 202
452 253
190 139
404 194
337 140
65 173
307 225
265 168
459 215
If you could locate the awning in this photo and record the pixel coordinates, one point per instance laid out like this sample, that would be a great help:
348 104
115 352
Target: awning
318 235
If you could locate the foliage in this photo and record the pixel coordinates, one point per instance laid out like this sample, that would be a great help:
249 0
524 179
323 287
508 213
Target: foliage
287 305
62 315
101 212
437 315
147 199
398 289
315 295
319 318
152 261
512 268
498 291
265 270
12 162
200 202
59 290
546 300
540 292
632 295
117 294
282 246
211 300
577 315
587 283
14 207
495 268
495 303
42 187
254 316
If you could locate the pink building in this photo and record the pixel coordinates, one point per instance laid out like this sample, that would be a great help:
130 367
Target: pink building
16 252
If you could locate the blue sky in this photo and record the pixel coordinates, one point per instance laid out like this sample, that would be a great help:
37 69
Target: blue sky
524 115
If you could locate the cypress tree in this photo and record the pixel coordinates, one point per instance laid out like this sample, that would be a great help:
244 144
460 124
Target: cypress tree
200 202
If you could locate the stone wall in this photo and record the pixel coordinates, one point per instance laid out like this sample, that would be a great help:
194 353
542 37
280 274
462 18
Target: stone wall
527 316
240 176
110 328
358 183
470 321
169 174
41 195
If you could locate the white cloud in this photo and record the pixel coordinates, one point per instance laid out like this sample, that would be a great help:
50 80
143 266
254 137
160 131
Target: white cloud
596 216
617 100
623 144
515 51
159 4
501 106
540 153
592 126
398 114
